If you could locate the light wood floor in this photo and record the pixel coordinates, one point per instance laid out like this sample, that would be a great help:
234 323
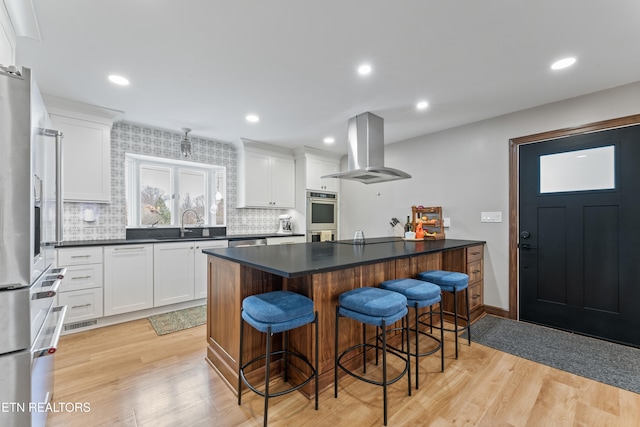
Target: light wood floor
131 377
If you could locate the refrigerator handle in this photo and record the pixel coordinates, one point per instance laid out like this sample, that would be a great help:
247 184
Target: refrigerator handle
59 206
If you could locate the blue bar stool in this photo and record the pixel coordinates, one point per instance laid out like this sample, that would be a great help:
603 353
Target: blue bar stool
453 282
419 295
377 307
271 313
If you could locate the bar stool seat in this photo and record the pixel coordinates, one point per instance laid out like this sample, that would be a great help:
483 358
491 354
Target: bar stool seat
274 312
453 282
377 307
419 295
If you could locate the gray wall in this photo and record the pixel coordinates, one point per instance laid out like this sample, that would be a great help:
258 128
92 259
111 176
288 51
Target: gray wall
466 171
111 218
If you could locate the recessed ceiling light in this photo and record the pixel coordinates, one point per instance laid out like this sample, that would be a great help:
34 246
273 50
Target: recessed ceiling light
422 105
364 69
329 140
563 63
119 80
252 118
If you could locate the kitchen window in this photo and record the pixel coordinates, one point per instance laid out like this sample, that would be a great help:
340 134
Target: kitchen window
159 191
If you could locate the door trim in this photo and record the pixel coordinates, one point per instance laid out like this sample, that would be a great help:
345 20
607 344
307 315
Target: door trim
513 187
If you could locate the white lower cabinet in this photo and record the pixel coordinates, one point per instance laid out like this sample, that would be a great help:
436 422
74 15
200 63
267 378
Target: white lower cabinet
81 288
285 240
201 265
82 305
173 273
128 278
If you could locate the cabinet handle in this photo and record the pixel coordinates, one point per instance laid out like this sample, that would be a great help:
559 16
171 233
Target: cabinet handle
81 306
80 277
475 271
475 253
475 296
129 249
80 256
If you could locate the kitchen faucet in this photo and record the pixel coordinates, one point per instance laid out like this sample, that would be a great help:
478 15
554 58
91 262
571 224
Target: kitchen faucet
182 229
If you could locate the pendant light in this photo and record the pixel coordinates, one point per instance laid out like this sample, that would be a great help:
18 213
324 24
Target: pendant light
185 146
218 193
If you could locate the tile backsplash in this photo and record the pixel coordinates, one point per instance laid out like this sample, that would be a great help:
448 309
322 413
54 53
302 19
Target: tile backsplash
111 219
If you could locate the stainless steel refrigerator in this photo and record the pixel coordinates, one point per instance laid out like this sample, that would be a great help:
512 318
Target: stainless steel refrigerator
30 225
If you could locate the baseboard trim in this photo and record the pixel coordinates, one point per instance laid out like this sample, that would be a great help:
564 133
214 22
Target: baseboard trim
496 311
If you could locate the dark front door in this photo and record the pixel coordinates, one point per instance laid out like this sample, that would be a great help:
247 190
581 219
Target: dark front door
579 234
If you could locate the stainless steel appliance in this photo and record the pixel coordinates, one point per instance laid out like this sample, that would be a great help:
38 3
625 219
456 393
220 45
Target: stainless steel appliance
322 211
247 242
322 236
286 224
365 139
30 217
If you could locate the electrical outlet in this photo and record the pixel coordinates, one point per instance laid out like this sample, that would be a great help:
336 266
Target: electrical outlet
446 222
490 216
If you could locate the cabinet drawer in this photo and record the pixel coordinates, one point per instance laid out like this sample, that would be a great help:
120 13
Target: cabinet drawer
475 296
474 270
475 253
82 277
75 256
83 305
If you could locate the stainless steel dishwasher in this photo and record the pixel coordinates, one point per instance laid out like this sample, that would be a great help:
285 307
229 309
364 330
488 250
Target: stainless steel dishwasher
247 242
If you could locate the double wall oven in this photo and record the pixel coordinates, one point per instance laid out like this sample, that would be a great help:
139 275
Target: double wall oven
322 216
30 212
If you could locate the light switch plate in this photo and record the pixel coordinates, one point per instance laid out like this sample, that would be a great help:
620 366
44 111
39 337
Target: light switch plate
446 222
490 216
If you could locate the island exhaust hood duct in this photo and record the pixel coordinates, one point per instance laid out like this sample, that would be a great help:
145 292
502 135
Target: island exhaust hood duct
366 152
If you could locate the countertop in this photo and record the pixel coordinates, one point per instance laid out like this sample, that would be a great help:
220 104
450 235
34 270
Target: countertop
81 243
309 258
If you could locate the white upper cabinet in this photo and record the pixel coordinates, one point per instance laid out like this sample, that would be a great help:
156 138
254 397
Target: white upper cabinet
7 39
311 164
319 167
86 159
266 177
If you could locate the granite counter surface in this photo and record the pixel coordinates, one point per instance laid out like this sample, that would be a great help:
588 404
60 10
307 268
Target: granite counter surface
309 258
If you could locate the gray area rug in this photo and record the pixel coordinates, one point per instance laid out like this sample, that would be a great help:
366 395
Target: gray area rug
178 320
599 360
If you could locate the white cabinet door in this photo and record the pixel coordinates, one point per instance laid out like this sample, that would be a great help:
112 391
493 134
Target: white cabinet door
317 168
86 154
283 176
82 277
267 181
285 240
258 180
173 273
128 278
84 304
201 265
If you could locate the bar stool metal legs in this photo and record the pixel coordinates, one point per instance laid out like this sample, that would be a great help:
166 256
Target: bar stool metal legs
274 306
454 283
393 309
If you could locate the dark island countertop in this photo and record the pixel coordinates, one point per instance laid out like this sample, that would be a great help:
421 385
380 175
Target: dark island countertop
309 258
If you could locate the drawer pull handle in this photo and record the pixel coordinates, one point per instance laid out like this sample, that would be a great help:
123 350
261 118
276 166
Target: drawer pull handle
80 256
475 296
81 306
129 249
475 271
475 253
81 277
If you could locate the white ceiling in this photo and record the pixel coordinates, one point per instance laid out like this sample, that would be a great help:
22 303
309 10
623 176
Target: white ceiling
206 64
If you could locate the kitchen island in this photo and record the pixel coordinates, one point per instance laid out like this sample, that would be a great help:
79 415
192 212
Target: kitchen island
320 271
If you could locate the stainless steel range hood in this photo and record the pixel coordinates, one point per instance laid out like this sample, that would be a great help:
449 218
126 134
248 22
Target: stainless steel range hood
366 152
